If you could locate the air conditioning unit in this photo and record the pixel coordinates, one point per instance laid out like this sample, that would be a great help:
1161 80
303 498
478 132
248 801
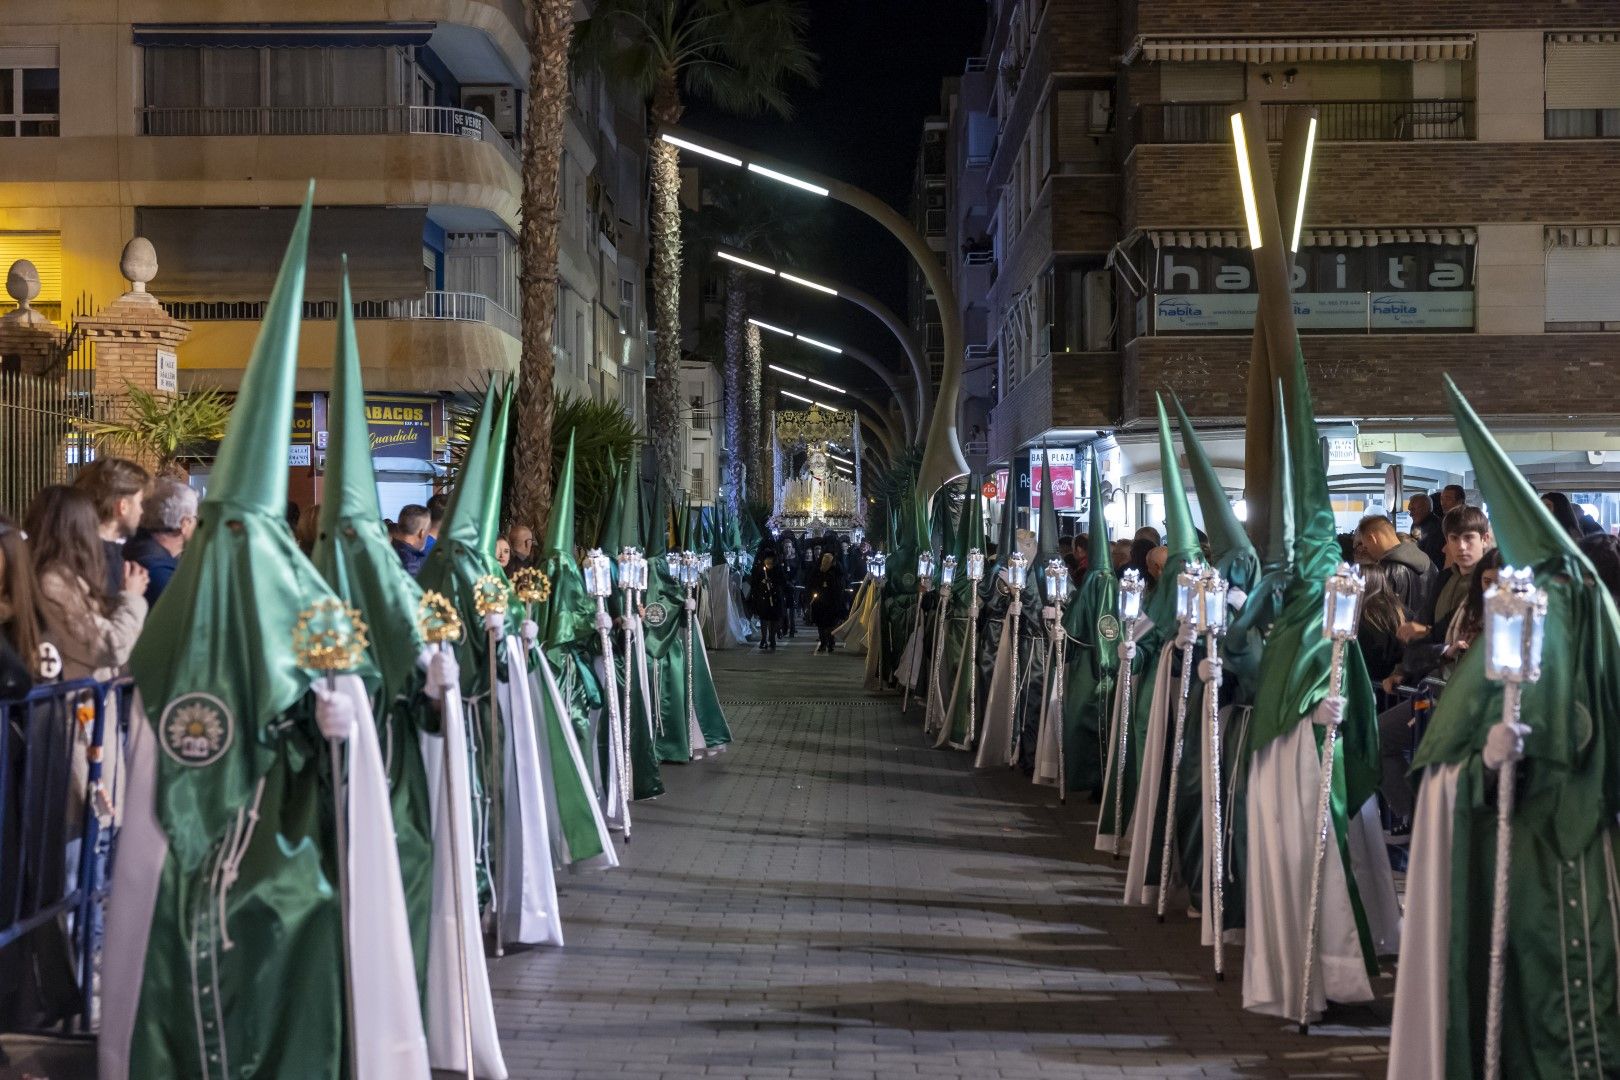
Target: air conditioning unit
497 103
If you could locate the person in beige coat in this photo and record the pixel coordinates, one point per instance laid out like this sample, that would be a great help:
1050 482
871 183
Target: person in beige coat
93 632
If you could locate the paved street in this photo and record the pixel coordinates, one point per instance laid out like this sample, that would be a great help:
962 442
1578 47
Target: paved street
831 899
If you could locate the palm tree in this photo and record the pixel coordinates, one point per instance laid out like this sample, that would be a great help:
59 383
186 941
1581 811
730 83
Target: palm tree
740 214
163 429
549 26
735 53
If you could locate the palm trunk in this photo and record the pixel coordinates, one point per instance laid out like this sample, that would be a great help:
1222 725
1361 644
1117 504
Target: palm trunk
737 326
550 28
759 455
664 402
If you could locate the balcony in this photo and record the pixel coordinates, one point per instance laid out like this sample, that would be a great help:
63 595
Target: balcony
327 120
1339 121
437 306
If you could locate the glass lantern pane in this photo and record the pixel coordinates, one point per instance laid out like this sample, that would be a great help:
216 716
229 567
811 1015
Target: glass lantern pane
1505 640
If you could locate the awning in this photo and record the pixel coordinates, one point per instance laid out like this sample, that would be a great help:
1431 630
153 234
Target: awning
231 253
334 35
1583 236
1338 238
1268 50
1584 38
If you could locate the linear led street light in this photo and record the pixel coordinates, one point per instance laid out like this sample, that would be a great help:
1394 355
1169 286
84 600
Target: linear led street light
792 181
1304 183
796 397
825 385
685 144
785 371
772 329
780 370
1251 209
807 283
824 405
840 460
740 261
819 344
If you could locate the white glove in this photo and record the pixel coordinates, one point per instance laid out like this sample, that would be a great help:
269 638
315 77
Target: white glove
1330 711
1236 598
604 621
1127 650
1185 634
442 672
334 711
531 633
1050 613
1209 670
691 604
495 620
1504 743
1016 608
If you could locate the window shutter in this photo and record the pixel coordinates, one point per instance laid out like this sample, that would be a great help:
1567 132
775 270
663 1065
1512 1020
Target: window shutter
1201 82
1583 75
28 56
1583 284
44 250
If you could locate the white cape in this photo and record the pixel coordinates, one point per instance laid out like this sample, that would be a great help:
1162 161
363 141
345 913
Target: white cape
1107 841
934 715
1284 782
387 1031
1417 1047
996 732
526 886
1049 761
542 681
724 622
444 1031
908 672
1153 776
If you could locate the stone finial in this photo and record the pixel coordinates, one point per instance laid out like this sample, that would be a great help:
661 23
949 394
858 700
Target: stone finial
22 283
138 263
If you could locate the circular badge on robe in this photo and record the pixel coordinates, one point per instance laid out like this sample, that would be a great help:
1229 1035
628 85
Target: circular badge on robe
655 614
909 580
196 729
1002 587
1108 627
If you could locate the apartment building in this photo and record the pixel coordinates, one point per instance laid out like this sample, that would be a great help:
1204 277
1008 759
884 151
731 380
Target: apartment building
1458 221
199 127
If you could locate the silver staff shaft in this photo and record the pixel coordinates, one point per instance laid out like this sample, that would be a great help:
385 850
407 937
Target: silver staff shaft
973 668
1015 613
1215 855
1324 822
340 830
495 781
455 891
618 735
1059 636
1124 739
1506 777
1166 860
939 656
691 709
916 620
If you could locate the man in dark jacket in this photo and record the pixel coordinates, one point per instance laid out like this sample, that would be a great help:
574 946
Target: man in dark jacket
409 537
1427 532
168 518
1411 574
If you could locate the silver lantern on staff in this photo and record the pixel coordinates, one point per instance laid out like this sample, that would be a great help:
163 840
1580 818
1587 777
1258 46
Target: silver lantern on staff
1341 614
597 570
1515 616
1017 579
1210 622
1057 592
975 573
1131 587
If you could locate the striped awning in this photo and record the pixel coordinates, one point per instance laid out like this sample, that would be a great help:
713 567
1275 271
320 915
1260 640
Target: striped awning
1338 238
1592 37
1269 50
1583 236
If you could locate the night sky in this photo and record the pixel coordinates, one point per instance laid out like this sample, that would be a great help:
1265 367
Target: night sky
881 63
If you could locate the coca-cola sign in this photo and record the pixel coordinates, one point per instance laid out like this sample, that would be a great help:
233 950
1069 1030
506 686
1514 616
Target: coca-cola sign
1060 465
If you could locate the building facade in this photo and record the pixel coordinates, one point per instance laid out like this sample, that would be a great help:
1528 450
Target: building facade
200 126
1457 222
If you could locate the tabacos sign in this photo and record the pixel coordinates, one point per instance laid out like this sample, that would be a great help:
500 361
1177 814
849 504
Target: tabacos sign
1059 472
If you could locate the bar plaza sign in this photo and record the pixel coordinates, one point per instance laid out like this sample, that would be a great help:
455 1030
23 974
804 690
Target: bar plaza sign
1389 288
1059 469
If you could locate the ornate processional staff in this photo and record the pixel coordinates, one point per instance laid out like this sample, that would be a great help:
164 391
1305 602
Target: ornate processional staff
1515 612
489 598
598 573
1211 609
1341 612
975 573
1017 578
1057 591
925 581
947 578
1130 609
1186 617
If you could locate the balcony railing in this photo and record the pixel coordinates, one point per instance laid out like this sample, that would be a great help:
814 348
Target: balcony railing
326 120
449 306
1339 121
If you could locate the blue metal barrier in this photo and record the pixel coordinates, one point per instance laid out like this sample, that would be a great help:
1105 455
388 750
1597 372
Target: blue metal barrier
38 746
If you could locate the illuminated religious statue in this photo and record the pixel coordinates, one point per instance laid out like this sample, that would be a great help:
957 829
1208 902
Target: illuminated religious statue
822 493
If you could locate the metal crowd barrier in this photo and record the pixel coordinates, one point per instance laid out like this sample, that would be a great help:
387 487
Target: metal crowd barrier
52 895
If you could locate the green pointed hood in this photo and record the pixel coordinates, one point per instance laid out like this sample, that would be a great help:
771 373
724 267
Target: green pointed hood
609 536
1279 554
970 530
464 516
1525 531
560 529
1046 545
1098 555
352 551
1316 539
630 510
717 543
1007 534
489 524
219 641
942 521
1226 535
1180 537
658 523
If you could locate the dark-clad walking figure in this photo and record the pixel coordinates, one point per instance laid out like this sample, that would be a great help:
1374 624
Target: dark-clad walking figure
825 588
767 591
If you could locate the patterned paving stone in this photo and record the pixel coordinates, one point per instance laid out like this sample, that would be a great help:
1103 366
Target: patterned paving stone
833 899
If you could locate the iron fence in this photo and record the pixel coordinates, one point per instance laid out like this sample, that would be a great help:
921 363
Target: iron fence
435 304
56 855
1337 121
41 441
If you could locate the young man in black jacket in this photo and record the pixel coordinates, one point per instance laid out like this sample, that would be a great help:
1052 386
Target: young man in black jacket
1411 574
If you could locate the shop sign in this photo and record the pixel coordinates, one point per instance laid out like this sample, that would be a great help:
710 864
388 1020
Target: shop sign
1060 466
401 426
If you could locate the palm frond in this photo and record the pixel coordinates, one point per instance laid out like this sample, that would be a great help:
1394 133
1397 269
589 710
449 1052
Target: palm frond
603 436
165 428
